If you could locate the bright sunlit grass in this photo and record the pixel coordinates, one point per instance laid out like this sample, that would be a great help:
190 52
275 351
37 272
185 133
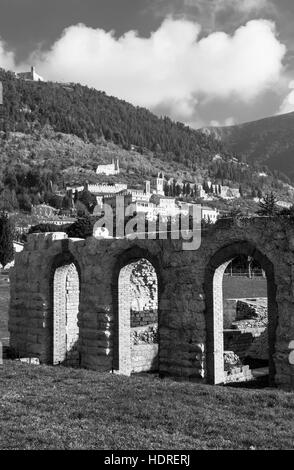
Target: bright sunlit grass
53 407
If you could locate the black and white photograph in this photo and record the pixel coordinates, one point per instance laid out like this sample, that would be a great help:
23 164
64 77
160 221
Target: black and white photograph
147 228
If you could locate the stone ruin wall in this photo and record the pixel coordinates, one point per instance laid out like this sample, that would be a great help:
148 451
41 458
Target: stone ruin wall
187 334
144 294
144 317
246 332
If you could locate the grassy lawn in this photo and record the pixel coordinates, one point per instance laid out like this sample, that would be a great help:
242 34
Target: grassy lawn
53 407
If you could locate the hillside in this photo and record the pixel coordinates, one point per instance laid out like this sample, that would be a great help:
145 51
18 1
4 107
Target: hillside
91 114
53 134
268 142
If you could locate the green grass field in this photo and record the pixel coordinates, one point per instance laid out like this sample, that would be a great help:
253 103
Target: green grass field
46 407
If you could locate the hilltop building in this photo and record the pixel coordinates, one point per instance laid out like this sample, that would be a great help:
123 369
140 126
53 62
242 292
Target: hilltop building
100 191
208 191
150 200
108 169
158 184
229 193
43 210
209 214
31 75
155 204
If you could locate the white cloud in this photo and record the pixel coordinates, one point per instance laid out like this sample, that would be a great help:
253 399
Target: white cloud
172 69
230 121
214 123
6 57
288 104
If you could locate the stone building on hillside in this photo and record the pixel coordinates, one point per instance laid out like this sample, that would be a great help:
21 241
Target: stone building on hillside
209 214
109 169
44 210
158 184
31 75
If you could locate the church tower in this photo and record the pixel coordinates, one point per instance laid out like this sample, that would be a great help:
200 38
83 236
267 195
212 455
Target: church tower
159 184
116 168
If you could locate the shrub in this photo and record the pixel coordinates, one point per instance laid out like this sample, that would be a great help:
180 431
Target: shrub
43 228
82 228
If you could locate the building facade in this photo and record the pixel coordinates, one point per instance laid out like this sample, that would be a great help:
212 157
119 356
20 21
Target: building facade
108 169
31 75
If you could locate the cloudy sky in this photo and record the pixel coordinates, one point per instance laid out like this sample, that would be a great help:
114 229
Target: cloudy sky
203 62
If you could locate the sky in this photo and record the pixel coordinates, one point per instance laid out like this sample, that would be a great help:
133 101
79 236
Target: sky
202 62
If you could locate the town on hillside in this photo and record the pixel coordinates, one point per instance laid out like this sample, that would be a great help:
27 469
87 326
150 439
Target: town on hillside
161 196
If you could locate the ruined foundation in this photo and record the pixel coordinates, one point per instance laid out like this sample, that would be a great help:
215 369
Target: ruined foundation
56 278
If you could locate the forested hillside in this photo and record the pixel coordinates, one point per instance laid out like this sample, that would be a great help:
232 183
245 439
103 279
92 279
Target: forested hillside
268 142
55 134
91 114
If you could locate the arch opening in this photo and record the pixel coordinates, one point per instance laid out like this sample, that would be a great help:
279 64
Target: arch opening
241 316
137 329
66 293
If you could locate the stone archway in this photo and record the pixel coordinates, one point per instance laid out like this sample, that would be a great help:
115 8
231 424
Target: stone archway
214 307
129 320
66 293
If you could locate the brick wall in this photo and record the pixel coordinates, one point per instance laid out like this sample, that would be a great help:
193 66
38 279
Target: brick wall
65 315
254 310
124 321
245 313
143 318
246 334
137 285
240 342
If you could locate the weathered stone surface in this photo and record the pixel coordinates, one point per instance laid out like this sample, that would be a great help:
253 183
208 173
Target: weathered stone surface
188 304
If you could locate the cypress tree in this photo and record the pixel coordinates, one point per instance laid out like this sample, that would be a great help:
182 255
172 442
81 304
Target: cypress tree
6 239
268 207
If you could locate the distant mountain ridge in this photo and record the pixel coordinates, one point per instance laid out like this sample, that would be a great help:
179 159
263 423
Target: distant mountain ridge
268 141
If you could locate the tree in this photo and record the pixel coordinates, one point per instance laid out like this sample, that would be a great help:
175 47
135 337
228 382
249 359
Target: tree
55 201
82 228
67 203
234 213
178 190
81 209
24 201
6 239
43 228
8 200
88 200
268 206
205 187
